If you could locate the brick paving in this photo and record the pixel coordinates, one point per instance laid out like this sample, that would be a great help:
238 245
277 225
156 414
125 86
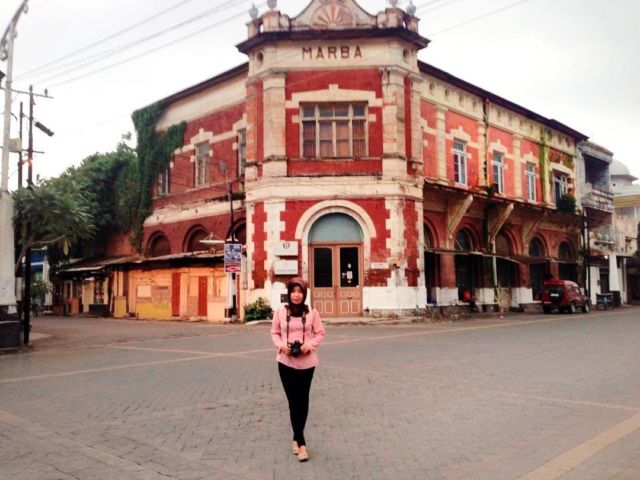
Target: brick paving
491 399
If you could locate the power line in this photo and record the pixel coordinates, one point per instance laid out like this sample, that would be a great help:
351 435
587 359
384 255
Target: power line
479 17
147 52
96 57
102 40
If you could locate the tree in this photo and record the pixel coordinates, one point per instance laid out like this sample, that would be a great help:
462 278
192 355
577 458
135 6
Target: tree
57 213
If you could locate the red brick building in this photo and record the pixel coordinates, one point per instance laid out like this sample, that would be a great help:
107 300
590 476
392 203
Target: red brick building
387 182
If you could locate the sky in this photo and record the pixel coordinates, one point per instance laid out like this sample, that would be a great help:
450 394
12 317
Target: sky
571 60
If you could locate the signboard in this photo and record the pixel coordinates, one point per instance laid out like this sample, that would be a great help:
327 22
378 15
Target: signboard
232 257
287 249
285 267
379 265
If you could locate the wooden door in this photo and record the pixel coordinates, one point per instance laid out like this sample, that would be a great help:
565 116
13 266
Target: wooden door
202 296
336 280
175 294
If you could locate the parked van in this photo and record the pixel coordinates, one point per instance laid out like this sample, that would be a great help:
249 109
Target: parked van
564 295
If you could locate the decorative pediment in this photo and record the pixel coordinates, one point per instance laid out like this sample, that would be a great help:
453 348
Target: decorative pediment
333 15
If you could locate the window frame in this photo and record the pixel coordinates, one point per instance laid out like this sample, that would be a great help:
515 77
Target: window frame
530 175
560 185
317 119
497 164
200 177
163 184
460 157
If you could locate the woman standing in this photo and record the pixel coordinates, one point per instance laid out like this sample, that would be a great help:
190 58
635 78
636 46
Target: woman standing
296 332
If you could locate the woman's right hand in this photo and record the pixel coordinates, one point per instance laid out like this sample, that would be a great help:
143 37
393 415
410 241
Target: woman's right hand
284 349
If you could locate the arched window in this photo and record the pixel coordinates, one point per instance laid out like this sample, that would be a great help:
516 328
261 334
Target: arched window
503 247
336 227
536 248
159 245
565 252
193 244
428 239
463 241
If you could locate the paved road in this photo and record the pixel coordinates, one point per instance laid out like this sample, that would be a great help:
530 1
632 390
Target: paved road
520 398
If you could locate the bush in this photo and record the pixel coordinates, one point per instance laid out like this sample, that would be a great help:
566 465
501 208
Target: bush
258 310
567 204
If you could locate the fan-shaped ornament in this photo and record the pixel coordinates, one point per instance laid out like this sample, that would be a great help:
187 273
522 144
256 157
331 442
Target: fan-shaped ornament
332 15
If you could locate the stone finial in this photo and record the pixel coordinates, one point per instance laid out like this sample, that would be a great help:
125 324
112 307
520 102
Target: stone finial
272 4
393 3
411 8
253 12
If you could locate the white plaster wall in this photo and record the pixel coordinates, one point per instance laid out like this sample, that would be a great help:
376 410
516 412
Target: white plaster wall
446 296
389 298
521 295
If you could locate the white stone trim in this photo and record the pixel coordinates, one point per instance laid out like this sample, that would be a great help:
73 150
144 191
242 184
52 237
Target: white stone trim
273 227
177 213
333 94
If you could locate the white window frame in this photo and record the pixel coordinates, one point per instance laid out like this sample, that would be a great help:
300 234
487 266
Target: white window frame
460 161
560 185
163 183
201 166
498 170
530 174
350 117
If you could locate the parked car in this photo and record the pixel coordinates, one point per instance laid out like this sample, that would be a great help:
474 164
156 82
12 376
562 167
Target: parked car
564 295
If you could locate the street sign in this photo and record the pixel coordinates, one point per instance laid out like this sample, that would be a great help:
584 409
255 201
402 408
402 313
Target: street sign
232 257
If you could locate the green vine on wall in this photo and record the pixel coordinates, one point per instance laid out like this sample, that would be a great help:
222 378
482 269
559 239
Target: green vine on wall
542 156
155 151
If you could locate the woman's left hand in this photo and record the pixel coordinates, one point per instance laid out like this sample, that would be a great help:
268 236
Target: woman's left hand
305 348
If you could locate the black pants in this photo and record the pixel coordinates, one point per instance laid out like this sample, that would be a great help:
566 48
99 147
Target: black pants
297 384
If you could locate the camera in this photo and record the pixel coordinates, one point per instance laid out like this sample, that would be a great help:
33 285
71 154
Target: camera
295 348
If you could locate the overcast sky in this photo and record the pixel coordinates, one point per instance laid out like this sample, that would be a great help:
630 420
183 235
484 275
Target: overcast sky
572 60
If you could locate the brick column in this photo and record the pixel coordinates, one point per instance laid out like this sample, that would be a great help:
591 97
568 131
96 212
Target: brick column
447 292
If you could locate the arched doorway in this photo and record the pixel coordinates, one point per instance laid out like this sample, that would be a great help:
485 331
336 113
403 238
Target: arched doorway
335 244
430 266
467 267
567 268
538 267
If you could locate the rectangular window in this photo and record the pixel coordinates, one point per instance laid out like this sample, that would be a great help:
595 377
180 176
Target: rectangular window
460 162
334 130
560 185
163 183
531 182
242 152
498 172
202 165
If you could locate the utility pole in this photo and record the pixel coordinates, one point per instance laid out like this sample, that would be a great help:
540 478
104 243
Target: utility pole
7 245
26 303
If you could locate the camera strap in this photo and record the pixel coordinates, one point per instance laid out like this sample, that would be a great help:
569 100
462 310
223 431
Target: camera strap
304 322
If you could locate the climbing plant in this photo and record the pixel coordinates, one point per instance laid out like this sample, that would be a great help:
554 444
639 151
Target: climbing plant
155 150
543 154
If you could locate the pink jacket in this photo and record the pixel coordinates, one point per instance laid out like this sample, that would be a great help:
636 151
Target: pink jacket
314 334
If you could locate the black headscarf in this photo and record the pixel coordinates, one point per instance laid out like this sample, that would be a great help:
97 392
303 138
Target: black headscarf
297 309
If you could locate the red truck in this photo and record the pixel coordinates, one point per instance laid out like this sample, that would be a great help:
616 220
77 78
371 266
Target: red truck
564 295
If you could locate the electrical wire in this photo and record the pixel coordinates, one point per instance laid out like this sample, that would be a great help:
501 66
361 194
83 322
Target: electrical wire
104 39
98 57
148 52
479 17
